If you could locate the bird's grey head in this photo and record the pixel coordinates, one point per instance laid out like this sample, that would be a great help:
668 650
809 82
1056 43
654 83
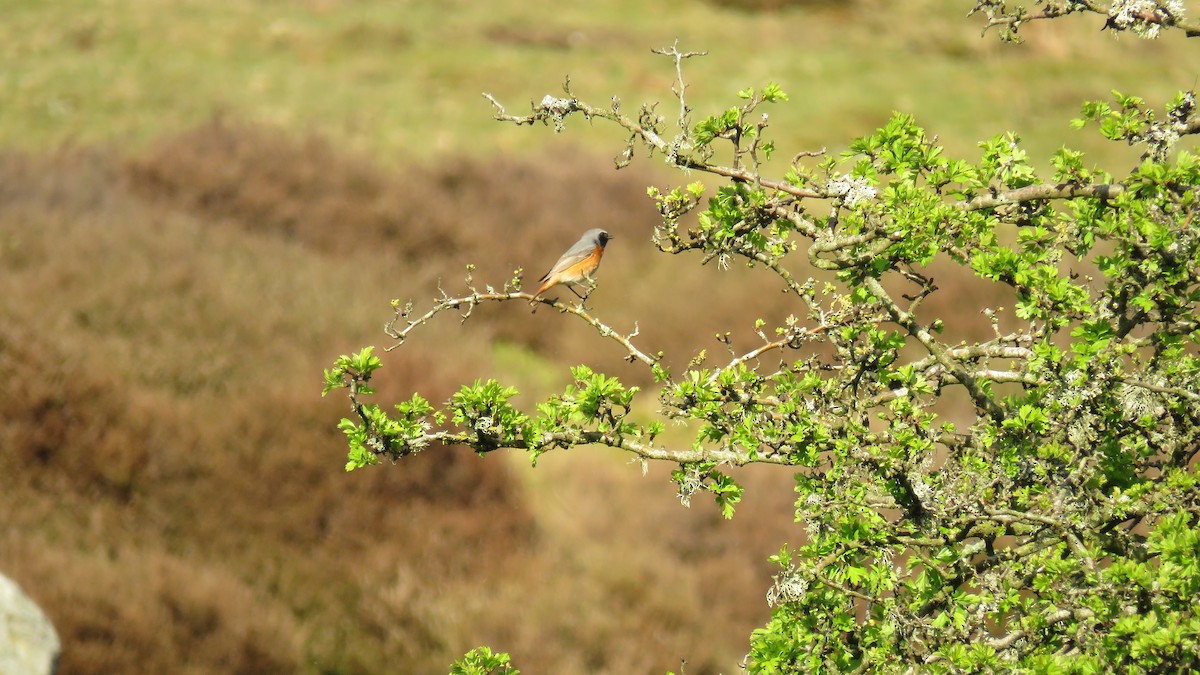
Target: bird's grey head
597 237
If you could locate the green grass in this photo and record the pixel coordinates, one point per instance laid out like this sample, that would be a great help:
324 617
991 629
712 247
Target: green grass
403 80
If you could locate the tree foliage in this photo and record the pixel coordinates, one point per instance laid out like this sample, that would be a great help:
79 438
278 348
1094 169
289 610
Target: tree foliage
1057 529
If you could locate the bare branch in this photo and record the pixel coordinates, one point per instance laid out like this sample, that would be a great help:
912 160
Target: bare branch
1044 191
793 337
471 300
553 111
1009 21
723 455
680 86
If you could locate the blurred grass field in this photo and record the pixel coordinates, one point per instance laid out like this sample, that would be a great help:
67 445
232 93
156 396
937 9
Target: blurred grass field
203 203
401 80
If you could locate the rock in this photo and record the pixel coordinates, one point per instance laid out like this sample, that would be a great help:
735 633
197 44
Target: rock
28 643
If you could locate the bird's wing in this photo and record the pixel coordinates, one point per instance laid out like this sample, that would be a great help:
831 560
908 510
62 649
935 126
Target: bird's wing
575 255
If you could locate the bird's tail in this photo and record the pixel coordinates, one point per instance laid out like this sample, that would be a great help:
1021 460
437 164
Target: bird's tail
546 284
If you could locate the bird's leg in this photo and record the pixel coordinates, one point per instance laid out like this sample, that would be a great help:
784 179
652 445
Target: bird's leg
591 284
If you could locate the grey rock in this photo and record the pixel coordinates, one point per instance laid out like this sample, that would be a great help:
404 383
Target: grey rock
28 643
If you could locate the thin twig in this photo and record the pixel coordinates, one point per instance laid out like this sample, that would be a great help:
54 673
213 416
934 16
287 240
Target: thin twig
471 300
792 337
934 348
680 86
543 113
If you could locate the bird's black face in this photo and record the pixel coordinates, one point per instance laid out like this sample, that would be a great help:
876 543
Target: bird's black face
604 237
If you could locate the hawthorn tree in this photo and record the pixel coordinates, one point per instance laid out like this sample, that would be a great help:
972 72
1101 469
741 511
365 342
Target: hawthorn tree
1058 530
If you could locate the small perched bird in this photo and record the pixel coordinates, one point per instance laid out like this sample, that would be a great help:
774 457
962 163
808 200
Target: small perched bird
578 264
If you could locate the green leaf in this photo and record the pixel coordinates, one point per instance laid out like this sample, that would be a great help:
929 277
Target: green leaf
772 93
483 661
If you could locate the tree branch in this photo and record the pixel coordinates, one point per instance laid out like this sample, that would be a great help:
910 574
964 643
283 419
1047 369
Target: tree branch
471 300
934 348
999 16
611 439
1044 191
552 110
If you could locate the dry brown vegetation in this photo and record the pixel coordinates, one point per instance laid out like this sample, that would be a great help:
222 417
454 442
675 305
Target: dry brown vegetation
170 482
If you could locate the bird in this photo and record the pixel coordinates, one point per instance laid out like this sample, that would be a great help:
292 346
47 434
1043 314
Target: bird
578 264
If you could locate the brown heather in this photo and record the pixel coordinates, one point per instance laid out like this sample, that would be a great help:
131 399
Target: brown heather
171 484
